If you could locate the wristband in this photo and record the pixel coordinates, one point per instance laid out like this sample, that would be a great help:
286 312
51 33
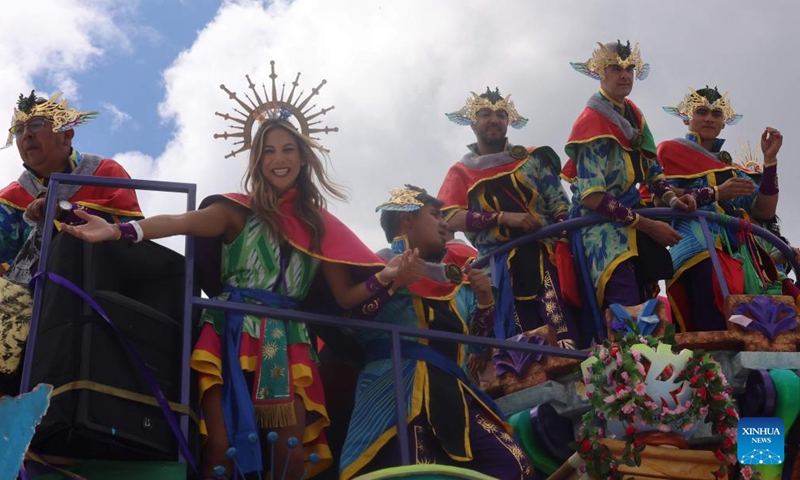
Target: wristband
769 180
131 231
704 195
659 188
672 201
374 284
610 208
480 220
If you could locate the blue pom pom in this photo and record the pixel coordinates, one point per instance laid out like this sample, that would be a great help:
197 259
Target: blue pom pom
231 452
252 438
272 437
313 459
292 442
219 470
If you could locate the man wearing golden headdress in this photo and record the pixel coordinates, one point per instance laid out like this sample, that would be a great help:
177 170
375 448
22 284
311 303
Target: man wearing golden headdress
612 153
498 192
697 165
43 129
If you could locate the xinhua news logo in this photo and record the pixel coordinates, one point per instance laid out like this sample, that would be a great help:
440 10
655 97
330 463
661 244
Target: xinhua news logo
760 441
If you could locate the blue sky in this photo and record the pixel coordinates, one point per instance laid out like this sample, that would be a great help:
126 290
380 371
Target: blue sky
131 80
153 68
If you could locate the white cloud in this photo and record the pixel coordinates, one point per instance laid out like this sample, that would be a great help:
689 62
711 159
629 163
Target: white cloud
394 68
56 39
118 117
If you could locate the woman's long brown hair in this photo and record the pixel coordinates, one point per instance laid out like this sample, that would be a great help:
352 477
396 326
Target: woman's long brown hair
264 200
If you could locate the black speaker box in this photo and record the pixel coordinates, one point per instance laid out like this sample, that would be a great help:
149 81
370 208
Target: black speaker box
141 289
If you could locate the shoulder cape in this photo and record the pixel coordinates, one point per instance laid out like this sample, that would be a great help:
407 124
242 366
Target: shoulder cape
681 161
461 179
592 125
116 201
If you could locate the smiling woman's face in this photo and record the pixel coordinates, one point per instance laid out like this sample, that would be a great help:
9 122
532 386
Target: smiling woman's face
280 160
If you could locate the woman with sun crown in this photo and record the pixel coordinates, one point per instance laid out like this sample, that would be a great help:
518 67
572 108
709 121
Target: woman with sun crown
276 237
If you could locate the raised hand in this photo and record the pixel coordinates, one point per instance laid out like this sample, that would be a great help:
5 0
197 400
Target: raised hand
411 269
525 221
94 230
481 285
734 188
771 141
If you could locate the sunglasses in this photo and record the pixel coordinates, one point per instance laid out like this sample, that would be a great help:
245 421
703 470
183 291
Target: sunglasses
34 125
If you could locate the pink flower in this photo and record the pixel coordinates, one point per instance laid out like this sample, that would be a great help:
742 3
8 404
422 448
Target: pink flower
625 376
747 472
664 428
589 369
628 408
619 358
587 380
688 427
636 355
610 399
640 368
602 355
640 388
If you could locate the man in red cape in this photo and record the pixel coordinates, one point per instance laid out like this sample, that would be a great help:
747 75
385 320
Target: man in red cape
498 192
611 154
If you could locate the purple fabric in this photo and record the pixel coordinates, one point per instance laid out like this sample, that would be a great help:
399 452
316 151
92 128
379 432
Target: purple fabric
704 195
615 211
759 395
127 232
699 284
480 220
506 361
769 181
482 324
492 454
768 317
622 287
659 187
369 308
374 285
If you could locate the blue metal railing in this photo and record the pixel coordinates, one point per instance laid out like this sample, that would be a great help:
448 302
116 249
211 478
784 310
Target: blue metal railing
394 331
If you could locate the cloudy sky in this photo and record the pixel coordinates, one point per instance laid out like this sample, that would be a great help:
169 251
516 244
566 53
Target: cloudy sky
153 69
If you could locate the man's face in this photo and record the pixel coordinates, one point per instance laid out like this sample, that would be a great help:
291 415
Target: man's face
618 81
490 126
706 122
41 149
427 230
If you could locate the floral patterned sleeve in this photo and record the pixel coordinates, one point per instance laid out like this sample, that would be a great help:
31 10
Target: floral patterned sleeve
591 160
551 190
13 231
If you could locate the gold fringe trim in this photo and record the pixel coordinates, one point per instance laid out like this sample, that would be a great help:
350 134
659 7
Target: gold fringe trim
276 416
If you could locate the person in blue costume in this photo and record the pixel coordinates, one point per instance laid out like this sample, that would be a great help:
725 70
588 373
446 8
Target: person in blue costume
612 153
449 421
696 164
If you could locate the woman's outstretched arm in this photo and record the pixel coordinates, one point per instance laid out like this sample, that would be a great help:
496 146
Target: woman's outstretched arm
218 219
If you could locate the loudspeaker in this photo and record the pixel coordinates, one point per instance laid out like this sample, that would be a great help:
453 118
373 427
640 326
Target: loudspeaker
97 411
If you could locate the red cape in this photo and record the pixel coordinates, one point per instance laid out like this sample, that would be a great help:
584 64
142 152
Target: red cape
591 125
339 244
116 201
460 180
679 160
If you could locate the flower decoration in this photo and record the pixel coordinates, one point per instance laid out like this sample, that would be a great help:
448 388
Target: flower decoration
619 376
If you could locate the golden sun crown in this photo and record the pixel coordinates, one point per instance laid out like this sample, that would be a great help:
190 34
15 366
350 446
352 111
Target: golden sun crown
273 108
